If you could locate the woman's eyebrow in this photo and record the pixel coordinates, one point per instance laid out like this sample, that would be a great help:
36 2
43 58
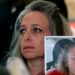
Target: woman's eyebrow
18 27
22 26
25 26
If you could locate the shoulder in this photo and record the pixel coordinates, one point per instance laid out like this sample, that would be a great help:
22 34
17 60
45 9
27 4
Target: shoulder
16 66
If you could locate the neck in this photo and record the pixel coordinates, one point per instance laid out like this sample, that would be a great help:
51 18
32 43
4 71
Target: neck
36 66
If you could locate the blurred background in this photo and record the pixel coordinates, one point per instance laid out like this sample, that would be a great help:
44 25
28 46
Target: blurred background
10 9
71 14
71 9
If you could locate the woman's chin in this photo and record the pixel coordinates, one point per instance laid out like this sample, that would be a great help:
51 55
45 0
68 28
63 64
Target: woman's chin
29 56
32 56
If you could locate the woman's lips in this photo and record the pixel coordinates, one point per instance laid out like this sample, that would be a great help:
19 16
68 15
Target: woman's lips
28 48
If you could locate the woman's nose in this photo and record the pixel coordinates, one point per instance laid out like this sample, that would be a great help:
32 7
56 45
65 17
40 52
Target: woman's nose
27 36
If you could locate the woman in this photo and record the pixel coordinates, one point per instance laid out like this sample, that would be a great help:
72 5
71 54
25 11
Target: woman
57 50
38 19
66 60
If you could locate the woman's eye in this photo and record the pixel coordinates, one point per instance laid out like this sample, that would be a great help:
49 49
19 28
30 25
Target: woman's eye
22 31
73 58
38 30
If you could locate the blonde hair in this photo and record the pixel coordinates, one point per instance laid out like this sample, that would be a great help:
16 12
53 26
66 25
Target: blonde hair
62 59
57 22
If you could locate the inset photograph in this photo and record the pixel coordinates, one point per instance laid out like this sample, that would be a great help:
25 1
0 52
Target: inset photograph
59 55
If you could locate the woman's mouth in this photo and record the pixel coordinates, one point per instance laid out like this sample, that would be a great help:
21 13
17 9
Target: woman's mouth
28 48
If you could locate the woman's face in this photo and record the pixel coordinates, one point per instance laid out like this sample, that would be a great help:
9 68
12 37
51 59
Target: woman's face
34 27
71 61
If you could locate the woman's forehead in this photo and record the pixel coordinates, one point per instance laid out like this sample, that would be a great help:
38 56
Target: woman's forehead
35 17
